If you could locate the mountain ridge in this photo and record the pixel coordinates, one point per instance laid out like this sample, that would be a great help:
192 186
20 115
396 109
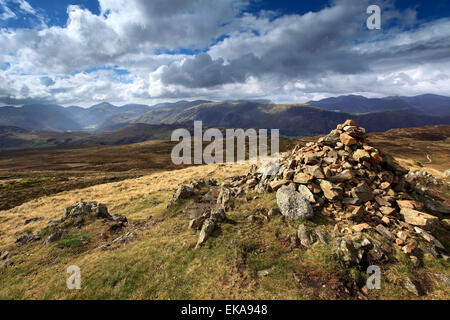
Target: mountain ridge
431 104
295 119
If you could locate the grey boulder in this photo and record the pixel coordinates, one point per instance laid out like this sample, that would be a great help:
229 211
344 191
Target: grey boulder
293 204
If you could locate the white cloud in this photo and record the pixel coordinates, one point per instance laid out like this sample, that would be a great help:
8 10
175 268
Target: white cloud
284 58
25 6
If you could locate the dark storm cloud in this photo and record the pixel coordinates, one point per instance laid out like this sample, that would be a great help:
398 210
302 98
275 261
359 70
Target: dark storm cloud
184 22
332 41
202 71
429 44
295 47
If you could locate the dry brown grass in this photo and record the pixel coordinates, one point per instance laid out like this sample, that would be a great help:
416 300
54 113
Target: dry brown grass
116 196
30 174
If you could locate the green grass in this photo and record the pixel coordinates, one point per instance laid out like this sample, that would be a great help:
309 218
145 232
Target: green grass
150 201
322 257
74 240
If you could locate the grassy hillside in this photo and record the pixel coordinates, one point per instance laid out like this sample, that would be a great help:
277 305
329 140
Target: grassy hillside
29 174
164 113
249 256
244 259
426 148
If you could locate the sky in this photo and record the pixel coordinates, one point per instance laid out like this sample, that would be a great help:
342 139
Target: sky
83 52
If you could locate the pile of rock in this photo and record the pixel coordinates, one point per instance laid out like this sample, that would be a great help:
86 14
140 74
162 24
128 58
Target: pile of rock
187 191
341 177
355 186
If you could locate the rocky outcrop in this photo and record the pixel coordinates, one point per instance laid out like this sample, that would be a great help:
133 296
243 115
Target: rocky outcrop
27 238
74 216
90 208
207 228
187 191
56 236
183 192
210 202
345 250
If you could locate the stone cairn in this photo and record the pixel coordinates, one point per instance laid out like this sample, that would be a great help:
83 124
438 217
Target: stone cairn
353 185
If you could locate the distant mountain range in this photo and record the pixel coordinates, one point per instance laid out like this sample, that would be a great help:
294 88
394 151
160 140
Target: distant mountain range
429 104
109 124
39 117
104 116
57 118
97 118
293 119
